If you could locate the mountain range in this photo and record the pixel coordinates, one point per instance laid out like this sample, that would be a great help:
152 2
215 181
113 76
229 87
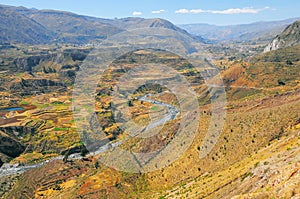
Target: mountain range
34 26
260 31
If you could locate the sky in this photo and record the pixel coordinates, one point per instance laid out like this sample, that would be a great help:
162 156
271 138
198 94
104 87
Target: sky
218 12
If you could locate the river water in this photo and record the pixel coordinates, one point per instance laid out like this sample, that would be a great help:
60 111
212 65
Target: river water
12 169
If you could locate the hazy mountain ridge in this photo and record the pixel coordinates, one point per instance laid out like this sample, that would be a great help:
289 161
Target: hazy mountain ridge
289 37
259 30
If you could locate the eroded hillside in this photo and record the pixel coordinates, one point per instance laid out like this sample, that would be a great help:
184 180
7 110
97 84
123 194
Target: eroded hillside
256 154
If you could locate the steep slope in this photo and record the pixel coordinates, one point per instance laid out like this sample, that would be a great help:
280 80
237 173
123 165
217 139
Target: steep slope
17 28
11 147
272 172
289 37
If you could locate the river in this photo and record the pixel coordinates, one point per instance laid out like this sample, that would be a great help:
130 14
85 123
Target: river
8 169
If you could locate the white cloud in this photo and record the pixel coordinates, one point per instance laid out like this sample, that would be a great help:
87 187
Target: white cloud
196 11
249 10
236 11
137 13
158 11
182 11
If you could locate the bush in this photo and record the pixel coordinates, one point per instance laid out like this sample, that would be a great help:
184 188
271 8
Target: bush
289 62
281 83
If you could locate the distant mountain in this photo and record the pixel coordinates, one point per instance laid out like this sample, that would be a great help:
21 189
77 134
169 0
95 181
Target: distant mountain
136 23
289 37
261 31
17 28
73 28
66 27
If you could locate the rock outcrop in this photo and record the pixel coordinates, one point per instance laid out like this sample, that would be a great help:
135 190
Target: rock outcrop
27 64
10 147
289 37
35 86
18 131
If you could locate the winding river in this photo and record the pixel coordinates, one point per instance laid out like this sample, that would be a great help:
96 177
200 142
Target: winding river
12 169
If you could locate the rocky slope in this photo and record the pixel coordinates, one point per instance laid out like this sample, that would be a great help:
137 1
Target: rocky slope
10 139
289 37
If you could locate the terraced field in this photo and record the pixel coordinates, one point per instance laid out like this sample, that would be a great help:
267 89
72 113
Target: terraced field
256 154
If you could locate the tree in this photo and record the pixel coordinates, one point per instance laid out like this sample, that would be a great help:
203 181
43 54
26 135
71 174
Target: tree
83 151
96 165
289 62
44 70
65 158
130 103
280 83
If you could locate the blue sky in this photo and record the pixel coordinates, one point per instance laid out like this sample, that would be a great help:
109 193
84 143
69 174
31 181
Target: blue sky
220 12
